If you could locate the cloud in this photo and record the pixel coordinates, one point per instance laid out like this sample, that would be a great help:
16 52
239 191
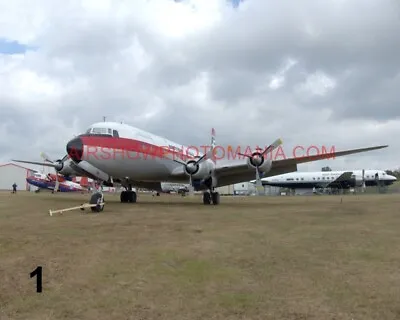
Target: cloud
313 73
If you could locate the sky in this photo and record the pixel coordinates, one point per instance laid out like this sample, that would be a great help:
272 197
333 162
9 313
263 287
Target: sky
314 73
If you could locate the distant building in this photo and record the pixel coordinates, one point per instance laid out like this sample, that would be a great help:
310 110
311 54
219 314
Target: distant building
244 188
225 190
10 173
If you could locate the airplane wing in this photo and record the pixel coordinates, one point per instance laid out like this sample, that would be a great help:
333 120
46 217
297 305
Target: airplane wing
344 177
232 173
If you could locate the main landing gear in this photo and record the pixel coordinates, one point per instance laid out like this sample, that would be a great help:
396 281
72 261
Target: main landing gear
211 197
128 195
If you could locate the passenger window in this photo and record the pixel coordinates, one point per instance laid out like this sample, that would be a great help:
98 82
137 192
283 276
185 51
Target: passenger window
115 133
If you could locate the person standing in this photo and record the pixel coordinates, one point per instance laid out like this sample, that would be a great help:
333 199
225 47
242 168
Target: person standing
14 186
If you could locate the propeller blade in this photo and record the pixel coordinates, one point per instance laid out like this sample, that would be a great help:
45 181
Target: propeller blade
57 183
46 157
206 156
273 146
191 188
259 185
170 156
270 148
363 181
52 165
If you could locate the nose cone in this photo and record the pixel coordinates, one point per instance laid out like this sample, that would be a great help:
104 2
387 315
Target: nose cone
75 149
393 178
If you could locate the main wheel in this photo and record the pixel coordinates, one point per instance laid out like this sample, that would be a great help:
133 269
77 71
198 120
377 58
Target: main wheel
215 198
97 198
132 196
206 198
124 196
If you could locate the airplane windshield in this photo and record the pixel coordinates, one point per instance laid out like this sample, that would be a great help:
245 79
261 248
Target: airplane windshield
102 131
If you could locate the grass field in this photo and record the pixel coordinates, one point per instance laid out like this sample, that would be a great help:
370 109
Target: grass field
168 257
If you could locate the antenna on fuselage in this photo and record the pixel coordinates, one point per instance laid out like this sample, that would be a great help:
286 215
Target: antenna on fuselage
104 119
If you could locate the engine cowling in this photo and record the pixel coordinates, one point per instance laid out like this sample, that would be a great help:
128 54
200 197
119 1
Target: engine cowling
358 181
64 168
258 160
199 171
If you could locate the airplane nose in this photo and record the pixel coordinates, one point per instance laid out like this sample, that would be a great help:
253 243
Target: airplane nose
75 149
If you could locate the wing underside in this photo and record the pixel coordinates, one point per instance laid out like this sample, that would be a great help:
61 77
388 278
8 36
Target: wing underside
240 172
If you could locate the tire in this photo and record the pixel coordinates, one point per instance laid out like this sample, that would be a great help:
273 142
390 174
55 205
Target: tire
96 198
132 196
206 198
215 198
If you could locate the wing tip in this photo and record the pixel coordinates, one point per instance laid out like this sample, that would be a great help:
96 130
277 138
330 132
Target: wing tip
380 147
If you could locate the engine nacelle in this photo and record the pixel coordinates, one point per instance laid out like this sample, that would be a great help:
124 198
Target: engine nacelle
92 170
199 171
257 160
358 181
64 168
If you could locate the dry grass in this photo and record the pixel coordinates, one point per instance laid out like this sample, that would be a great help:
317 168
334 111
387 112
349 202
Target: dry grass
173 258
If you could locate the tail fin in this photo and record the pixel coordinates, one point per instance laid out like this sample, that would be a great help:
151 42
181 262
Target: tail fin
213 158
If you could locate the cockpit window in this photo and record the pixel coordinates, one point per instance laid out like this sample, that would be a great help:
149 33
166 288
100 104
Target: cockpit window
100 131
115 133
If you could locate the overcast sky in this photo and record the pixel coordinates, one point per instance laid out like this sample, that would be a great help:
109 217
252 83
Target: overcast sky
323 73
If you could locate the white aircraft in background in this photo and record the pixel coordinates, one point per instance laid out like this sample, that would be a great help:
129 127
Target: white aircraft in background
110 152
329 179
168 187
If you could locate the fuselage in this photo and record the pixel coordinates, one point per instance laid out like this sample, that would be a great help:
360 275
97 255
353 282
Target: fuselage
305 180
121 150
44 182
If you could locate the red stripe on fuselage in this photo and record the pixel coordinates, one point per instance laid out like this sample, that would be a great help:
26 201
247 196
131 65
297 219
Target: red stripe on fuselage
99 144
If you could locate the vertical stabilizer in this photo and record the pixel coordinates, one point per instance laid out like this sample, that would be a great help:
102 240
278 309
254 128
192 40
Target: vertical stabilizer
213 157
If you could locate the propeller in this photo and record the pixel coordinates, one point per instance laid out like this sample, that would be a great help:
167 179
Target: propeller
363 181
257 159
192 166
58 165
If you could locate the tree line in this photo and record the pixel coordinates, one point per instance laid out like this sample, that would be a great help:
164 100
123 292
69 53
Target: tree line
395 173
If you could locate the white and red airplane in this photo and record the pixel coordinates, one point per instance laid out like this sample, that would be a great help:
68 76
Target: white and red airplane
49 181
112 152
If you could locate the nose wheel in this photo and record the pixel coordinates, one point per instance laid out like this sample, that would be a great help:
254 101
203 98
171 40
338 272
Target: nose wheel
212 197
97 199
